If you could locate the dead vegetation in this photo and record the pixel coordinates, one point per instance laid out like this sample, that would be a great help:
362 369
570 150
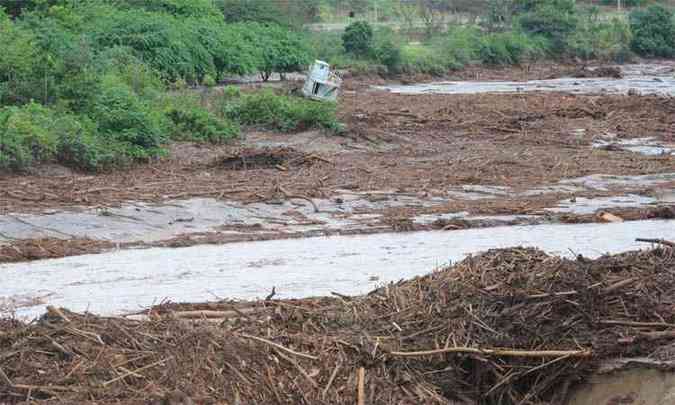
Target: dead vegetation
508 326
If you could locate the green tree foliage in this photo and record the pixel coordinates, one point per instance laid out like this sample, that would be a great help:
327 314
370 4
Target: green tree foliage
19 57
277 49
178 8
260 11
358 38
554 20
653 31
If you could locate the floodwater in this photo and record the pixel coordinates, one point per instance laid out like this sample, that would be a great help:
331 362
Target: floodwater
129 280
643 79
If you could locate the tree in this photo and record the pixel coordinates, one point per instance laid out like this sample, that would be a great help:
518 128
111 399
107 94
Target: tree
358 38
277 48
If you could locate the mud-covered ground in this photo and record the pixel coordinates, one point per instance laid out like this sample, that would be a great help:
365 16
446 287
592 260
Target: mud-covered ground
402 158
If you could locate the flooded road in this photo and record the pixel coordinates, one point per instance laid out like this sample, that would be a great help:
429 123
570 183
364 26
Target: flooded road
129 280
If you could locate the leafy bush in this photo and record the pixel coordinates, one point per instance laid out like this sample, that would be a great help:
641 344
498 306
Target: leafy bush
27 134
125 119
424 59
509 48
653 31
459 45
280 112
195 123
605 40
82 148
554 20
358 38
386 50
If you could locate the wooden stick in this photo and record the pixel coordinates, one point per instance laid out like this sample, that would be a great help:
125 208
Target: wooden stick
618 285
280 347
300 369
330 381
361 387
129 373
657 241
498 352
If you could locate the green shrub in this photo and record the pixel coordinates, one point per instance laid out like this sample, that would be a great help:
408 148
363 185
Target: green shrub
459 45
198 124
386 50
653 31
509 48
280 112
424 59
358 38
125 119
82 148
604 40
554 20
27 135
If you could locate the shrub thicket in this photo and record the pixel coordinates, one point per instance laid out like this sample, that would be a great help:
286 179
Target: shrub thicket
653 31
358 38
280 112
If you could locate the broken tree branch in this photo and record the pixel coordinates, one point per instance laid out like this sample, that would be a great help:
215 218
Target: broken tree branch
280 347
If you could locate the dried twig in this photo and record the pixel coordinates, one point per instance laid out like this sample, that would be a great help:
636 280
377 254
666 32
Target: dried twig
280 347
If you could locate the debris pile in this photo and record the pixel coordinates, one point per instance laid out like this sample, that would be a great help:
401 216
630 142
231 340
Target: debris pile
507 326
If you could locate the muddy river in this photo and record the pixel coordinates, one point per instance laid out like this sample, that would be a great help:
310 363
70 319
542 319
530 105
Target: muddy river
129 280
639 79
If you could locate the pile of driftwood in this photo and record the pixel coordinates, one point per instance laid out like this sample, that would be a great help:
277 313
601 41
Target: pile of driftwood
509 326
